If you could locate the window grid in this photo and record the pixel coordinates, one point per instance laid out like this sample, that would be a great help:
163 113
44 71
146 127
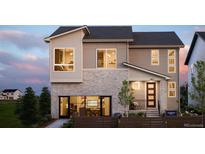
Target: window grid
105 50
154 57
63 61
172 89
172 61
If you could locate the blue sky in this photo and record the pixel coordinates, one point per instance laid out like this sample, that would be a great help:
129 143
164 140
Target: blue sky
24 54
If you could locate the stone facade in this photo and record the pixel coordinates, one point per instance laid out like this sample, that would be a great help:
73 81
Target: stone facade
96 82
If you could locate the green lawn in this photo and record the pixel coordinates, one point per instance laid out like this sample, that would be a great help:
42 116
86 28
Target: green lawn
8 119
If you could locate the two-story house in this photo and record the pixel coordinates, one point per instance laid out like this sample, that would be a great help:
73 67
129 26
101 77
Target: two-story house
195 53
10 94
89 63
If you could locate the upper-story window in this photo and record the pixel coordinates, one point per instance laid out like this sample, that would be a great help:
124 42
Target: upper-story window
171 61
154 57
64 59
106 58
171 89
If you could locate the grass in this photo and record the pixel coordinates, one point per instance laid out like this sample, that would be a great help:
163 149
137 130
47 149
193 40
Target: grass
8 119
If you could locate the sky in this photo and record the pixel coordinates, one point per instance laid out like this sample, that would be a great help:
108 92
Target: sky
24 54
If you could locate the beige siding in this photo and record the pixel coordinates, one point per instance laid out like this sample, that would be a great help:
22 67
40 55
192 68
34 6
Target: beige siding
72 40
89 53
142 58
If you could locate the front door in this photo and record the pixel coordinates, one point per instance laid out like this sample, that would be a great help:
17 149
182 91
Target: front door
151 94
64 107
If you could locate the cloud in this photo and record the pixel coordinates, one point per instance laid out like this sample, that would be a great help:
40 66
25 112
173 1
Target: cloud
20 72
34 81
199 28
183 68
21 39
30 56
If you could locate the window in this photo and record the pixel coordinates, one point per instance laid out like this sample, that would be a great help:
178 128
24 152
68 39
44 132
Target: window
171 61
106 58
64 59
154 57
171 89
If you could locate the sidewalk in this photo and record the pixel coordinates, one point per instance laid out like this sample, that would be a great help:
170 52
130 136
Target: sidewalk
58 123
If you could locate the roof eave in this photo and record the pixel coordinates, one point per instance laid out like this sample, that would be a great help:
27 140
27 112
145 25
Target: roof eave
147 71
47 39
156 46
107 40
191 49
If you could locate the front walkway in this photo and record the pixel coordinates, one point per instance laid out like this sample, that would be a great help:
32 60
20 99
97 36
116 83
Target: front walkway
58 123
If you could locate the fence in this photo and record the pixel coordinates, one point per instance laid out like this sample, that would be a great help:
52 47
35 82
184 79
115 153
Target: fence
95 122
136 122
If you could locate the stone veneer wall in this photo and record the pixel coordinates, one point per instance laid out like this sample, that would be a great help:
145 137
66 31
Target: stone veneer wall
95 82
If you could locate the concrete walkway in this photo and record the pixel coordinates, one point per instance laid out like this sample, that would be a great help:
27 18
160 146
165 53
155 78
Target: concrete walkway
58 123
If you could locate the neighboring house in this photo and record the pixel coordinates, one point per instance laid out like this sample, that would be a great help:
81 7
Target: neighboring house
10 94
89 63
196 53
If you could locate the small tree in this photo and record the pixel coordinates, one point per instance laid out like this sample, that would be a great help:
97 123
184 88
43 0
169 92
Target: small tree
125 96
45 102
198 84
28 109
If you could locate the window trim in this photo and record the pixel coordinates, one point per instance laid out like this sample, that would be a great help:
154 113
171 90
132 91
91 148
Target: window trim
172 89
174 65
63 56
157 57
96 59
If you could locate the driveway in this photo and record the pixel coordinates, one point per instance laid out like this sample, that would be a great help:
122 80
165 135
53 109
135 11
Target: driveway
58 123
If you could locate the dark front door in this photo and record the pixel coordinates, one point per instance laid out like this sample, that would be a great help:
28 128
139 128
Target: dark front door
151 94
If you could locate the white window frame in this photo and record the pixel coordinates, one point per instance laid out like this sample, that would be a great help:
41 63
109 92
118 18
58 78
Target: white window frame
106 49
172 89
156 57
64 59
172 65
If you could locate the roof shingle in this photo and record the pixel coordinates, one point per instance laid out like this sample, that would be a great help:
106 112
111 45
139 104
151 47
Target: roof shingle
109 32
156 38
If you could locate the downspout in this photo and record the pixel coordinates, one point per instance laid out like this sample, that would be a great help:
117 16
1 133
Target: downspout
127 53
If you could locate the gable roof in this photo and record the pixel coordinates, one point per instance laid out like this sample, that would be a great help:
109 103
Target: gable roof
9 90
121 34
97 32
156 39
196 35
146 70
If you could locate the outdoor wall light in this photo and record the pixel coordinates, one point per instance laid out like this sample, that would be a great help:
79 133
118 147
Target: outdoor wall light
136 85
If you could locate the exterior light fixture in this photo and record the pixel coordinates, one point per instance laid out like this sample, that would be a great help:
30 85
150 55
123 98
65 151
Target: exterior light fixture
136 85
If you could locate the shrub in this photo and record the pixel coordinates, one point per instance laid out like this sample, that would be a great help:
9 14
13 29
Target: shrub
139 114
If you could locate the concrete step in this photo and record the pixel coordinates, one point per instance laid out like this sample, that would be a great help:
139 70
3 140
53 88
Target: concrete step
152 113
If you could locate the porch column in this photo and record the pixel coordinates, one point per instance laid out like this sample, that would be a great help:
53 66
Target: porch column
163 95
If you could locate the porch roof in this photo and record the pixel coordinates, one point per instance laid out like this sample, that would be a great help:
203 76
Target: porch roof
146 70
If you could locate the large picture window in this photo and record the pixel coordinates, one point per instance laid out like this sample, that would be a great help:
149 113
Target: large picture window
106 58
154 57
64 59
171 61
171 89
